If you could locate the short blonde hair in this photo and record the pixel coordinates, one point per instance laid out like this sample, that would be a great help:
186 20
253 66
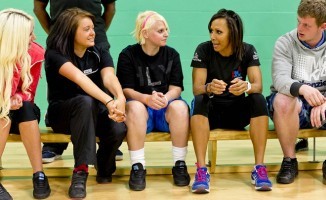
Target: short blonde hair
145 21
15 30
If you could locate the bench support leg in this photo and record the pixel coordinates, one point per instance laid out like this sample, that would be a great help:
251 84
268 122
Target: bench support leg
212 152
314 151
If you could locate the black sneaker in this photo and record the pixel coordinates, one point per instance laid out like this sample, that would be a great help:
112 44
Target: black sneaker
103 179
180 174
137 180
324 172
77 188
288 171
41 186
302 145
4 195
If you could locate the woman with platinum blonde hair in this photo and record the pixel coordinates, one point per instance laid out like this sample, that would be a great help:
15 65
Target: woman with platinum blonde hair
152 80
20 69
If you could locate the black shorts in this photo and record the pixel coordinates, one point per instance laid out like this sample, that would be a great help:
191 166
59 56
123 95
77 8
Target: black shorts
233 115
28 112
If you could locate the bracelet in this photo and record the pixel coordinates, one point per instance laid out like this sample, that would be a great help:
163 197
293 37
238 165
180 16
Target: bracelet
108 102
248 86
210 95
206 88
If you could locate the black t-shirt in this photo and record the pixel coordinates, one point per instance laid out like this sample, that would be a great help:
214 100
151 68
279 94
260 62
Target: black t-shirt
59 87
224 68
92 6
145 73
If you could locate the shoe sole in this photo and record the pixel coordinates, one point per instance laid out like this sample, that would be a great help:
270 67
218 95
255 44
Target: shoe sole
181 184
261 188
41 196
302 149
118 158
50 160
137 187
285 181
200 190
103 180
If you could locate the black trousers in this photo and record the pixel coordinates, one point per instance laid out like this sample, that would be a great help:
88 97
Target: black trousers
84 118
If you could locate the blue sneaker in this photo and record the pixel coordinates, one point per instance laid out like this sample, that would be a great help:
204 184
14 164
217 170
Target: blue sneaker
201 183
260 179
49 156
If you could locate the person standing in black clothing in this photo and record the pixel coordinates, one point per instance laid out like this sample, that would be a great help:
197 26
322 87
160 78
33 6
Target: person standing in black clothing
53 151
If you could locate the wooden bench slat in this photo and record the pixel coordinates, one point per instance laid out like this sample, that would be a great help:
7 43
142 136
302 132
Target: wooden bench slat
47 135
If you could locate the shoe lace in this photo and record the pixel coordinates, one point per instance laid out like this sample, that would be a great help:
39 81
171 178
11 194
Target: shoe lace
40 182
180 170
78 180
201 174
262 173
285 167
139 173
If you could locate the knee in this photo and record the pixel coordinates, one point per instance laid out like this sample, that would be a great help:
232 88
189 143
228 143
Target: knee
85 104
28 112
258 105
258 99
178 108
86 101
117 133
121 130
198 120
136 110
284 104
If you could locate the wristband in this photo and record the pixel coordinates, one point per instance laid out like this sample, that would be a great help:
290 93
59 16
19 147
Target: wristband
248 86
108 102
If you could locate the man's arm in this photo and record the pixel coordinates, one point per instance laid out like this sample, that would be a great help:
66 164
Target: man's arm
108 14
41 14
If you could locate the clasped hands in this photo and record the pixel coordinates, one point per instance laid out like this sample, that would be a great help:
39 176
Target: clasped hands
157 100
237 87
117 110
317 101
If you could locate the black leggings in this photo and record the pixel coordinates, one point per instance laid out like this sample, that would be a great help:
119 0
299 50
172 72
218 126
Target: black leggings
234 115
28 112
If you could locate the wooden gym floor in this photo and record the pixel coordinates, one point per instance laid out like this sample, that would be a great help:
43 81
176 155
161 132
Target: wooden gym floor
232 181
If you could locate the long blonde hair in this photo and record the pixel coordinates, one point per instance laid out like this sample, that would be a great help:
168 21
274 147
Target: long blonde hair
15 30
145 21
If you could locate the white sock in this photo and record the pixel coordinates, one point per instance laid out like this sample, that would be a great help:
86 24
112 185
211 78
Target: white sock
137 156
179 153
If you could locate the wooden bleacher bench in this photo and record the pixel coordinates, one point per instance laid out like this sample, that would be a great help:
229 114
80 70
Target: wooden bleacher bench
47 135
